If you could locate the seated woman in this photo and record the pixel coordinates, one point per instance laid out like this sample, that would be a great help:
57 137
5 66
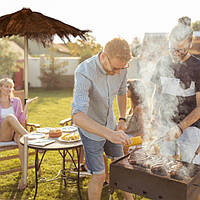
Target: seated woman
12 119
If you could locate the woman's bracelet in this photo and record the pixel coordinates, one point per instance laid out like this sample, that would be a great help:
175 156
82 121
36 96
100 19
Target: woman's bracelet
180 128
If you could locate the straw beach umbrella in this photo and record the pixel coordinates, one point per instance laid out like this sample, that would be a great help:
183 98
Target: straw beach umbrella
35 26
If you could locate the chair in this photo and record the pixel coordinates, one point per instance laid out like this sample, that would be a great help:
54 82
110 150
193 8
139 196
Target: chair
68 122
6 146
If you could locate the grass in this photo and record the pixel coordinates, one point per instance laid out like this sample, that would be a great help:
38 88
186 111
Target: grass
51 107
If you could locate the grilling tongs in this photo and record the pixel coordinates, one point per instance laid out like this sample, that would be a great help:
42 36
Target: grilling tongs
196 153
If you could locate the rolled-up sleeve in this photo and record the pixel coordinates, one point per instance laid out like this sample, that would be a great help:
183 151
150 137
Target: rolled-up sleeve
122 89
81 94
19 111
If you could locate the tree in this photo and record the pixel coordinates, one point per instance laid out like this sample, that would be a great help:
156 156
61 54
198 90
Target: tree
18 40
52 71
84 49
8 59
196 26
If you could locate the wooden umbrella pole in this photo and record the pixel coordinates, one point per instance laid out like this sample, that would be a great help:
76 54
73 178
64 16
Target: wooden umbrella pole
26 67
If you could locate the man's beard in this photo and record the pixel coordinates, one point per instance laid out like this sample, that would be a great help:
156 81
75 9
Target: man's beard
176 59
179 59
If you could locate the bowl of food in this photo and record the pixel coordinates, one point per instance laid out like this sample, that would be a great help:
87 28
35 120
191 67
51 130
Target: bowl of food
55 132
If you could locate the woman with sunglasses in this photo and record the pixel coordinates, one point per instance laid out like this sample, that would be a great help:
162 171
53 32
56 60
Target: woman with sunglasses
178 91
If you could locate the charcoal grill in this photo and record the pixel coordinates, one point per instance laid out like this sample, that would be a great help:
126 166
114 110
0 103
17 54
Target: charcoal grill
137 180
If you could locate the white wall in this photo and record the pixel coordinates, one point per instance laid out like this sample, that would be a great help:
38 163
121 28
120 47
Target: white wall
71 64
34 68
34 72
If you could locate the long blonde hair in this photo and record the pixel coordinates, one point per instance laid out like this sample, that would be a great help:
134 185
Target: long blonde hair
4 81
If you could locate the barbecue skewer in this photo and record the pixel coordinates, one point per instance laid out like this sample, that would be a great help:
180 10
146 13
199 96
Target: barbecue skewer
196 153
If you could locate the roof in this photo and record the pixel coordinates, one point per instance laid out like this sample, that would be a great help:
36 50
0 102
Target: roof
35 25
61 47
37 49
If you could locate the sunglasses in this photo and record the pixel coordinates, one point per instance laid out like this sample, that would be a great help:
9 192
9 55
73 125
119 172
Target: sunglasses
115 68
179 51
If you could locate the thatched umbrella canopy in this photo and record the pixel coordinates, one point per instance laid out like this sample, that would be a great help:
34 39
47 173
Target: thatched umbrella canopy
35 26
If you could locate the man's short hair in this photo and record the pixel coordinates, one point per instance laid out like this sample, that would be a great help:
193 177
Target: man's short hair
118 48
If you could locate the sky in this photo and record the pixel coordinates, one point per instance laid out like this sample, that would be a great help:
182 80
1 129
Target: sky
111 18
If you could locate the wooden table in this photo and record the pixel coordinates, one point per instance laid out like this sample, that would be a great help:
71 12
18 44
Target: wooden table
63 148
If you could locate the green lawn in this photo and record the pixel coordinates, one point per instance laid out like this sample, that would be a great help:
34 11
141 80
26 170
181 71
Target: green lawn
51 107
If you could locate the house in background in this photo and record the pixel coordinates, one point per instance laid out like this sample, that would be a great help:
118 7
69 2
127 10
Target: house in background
37 49
154 45
62 55
36 59
68 77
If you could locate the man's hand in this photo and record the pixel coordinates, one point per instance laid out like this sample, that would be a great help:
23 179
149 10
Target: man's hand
121 125
119 137
173 133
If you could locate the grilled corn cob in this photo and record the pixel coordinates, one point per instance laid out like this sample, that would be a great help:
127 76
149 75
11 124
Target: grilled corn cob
135 141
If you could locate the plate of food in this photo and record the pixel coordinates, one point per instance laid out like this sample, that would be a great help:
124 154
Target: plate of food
43 130
34 135
70 137
69 129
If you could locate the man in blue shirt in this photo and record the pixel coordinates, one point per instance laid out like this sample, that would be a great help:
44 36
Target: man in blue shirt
98 80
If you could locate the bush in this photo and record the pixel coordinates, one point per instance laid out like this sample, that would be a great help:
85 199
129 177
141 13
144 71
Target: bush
52 73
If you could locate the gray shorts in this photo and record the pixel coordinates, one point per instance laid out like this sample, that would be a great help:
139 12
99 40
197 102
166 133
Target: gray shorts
94 151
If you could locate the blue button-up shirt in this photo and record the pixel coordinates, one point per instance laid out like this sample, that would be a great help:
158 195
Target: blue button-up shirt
94 93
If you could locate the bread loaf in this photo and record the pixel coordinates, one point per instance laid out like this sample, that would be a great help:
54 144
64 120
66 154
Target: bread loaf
56 132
